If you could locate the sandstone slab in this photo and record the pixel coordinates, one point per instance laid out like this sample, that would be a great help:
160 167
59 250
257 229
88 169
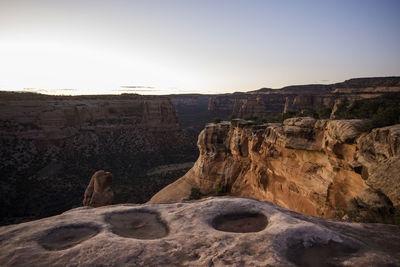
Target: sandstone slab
288 239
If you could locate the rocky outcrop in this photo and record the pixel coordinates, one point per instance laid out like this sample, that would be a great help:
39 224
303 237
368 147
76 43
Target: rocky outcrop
379 156
308 102
99 191
315 167
51 145
262 102
210 232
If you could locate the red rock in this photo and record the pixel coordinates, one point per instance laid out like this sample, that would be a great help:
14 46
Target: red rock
99 191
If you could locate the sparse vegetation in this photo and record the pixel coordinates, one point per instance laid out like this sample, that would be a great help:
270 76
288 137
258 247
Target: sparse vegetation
195 193
272 117
250 118
303 113
324 113
216 120
382 112
365 215
219 190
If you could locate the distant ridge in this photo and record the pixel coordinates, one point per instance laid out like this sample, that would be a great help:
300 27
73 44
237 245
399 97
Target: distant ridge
350 83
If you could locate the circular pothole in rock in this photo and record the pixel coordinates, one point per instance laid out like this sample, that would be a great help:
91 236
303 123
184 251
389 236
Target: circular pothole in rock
67 236
138 224
320 255
244 222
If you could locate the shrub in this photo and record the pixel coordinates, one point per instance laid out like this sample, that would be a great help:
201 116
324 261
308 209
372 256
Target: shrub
219 190
342 109
250 118
382 112
289 114
217 120
195 193
324 113
307 113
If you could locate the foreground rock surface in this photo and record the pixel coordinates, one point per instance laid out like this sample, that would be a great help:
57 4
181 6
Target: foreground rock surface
325 168
252 233
99 191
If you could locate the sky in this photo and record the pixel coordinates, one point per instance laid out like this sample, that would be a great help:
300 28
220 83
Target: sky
188 46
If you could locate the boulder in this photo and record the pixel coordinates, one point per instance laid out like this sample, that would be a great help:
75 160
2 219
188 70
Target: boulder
374 200
99 191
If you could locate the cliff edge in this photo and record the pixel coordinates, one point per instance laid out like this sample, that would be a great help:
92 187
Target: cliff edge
325 168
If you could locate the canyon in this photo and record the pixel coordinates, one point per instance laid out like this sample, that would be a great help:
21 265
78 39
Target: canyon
325 168
265 101
51 145
297 192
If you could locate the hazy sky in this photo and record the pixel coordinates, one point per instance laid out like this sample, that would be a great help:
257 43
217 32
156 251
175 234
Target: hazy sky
193 46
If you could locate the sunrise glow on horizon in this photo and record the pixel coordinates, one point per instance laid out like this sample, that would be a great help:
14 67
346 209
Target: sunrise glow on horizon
164 47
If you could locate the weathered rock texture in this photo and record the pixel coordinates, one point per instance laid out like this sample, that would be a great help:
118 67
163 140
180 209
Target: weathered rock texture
51 145
316 167
99 191
379 156
261 103
252 233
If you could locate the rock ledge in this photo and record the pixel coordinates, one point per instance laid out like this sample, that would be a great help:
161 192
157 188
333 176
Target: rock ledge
287 240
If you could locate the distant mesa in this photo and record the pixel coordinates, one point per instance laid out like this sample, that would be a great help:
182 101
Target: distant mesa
136 86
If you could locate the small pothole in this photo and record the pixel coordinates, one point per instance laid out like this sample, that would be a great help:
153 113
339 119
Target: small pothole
67 236
244 222
138 224
319 255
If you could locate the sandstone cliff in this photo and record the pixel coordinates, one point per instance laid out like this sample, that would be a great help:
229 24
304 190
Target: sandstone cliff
51 145
211 232
317 167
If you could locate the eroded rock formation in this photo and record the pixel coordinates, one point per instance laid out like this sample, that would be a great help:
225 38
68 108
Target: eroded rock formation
379 156
99 190
317 167
211 232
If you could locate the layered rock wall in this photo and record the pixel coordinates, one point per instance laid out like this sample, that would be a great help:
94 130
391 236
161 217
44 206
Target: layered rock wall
51 145
316 167
296 98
